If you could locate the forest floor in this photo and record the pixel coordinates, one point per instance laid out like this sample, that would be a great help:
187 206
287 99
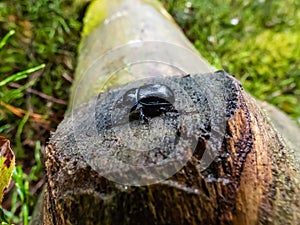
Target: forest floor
257 41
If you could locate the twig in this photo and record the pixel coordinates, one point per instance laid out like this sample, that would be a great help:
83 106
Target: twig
34 117
68 77
42 95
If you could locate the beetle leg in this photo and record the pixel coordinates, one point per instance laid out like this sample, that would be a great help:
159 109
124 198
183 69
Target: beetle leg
134 107
142 115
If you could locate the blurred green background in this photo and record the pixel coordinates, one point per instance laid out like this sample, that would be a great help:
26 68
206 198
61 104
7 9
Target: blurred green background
257 41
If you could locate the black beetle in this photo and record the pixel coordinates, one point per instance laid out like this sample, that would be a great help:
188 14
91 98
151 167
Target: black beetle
149 100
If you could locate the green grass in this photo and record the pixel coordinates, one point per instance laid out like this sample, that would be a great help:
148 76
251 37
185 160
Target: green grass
38 45
22 200
257 41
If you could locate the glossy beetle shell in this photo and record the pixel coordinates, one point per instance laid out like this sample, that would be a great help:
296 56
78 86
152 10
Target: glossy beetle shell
153 99
155 95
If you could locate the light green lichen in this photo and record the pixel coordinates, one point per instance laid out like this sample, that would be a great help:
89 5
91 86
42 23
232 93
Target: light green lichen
95 15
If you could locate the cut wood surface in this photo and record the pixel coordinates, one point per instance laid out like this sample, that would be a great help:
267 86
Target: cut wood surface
251 180
217 158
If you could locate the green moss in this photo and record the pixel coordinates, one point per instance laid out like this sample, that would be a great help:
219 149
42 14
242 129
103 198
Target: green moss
95 15
270 67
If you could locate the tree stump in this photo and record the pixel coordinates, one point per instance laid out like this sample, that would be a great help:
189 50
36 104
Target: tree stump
214 157
250 179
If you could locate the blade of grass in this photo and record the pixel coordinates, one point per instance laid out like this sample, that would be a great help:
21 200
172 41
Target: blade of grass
19 132
21 75
36 169
22 186
6 37
3 219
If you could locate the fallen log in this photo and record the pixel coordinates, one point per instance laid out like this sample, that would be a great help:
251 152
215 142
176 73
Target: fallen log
205 154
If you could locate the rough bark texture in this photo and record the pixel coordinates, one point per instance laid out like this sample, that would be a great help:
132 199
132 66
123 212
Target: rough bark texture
252 179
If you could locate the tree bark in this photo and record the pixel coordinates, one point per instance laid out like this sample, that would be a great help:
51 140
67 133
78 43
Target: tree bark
215 158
